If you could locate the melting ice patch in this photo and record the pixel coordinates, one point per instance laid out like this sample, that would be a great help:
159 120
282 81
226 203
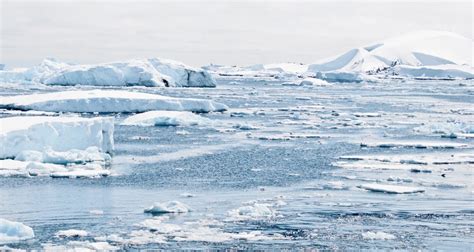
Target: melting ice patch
379 235
11 231
394 189
166 118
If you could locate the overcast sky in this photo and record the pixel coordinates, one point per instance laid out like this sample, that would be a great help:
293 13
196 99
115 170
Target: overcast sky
224 32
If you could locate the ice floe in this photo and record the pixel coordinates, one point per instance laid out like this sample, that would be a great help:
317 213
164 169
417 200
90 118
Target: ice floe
255 211
394 189
107 101
166 118
141 72
11 231
168 207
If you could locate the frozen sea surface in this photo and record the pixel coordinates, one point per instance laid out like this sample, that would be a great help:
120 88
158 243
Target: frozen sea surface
286 167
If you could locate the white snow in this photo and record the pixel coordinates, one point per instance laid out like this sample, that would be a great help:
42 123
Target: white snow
379 235
420 54
71 233
168 207
166 118
142 72
107 101
11 231
396 189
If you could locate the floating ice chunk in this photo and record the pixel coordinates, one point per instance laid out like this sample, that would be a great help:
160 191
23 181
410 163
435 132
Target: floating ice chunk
255 211
107 101
96 212
379 235
11 231
81 246
166 118
413 144
314 82
168 207
45 134
71 233
395 189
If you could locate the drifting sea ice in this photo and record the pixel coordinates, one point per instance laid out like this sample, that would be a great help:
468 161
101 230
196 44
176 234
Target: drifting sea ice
395 189
166 118
11 231
107 101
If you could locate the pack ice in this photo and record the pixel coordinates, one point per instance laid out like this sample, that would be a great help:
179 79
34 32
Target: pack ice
421 54
137 72
107 101
55 146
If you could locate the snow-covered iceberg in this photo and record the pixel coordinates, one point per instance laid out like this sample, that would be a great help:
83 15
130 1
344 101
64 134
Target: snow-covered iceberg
11 231
107 101
55 146
422 54
137 72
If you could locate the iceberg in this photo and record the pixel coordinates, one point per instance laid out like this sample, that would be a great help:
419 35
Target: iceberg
45 134
55 146
11 231
137 72
421 54
107 101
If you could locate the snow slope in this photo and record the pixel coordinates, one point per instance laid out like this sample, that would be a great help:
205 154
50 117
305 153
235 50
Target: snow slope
427 54
107 101
141 72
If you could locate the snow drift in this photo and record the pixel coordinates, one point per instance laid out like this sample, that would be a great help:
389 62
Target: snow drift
137 72
422 54
107 101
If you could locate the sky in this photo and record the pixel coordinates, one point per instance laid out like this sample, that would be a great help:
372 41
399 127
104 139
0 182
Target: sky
220 32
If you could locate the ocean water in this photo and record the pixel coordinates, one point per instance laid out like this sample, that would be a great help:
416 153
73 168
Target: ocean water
284 168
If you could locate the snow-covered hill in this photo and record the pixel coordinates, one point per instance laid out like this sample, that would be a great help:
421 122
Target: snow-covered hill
146 72
422 54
